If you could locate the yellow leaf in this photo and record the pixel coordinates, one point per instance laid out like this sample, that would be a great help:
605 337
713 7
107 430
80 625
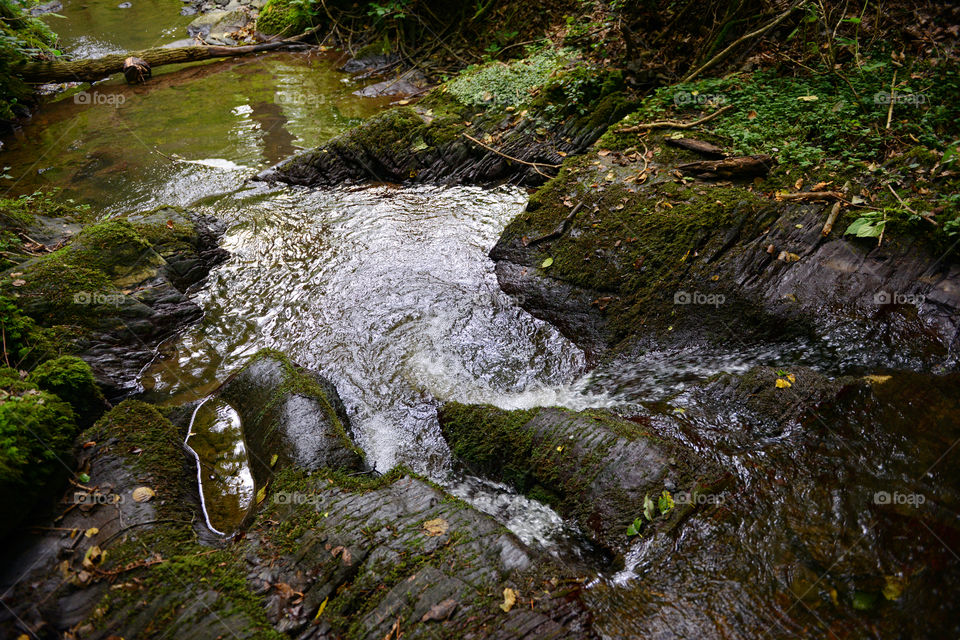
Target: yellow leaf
509 599
143 494
273 460
782 384
894 587
261 494
560 448
92 531
323 605
546 263
792 378
436 527
93 557
876 379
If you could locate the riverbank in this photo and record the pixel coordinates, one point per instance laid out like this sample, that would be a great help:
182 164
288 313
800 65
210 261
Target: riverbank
772 213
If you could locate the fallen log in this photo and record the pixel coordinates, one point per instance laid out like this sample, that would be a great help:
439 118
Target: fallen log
699 146
737 167
41 72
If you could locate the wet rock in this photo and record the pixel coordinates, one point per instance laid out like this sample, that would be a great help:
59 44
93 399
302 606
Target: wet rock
428 145
593 466
48 577
325 554
47 7
216 24
120 288
292 417
663 264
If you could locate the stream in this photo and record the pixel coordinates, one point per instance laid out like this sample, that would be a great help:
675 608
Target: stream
389 292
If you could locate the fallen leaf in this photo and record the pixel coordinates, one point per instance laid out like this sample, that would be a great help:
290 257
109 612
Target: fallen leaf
893 589
509 599
876 379
18 283
751 115
143 494
546 263
808 98
323 605
169 224
92 531
792 378
786 256
84 478
261 494
435 527
798 184
93 557
273 460
783 384
440 611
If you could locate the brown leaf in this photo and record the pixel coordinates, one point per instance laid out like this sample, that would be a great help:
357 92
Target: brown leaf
751 115
169 224
435 527
440 611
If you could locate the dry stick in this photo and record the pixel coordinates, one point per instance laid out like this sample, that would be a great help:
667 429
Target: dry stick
893 90
812 195
670 124
524 162
762 30
832 218
907 207
5 357
559 231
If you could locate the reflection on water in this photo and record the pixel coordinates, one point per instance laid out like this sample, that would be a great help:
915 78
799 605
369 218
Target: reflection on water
216 437
95 28
122 147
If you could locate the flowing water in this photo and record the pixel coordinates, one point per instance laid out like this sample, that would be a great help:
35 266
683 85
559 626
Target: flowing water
389 292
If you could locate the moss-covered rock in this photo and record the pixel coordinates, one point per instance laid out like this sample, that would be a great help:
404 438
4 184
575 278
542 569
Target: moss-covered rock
283 17
592 466
36 440
292 417
114 292
497 104
71 379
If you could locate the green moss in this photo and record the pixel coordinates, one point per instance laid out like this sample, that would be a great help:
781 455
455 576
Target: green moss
26 343
71 379
285 17
21 37
296 381
492 440
160 461
505 84
36 437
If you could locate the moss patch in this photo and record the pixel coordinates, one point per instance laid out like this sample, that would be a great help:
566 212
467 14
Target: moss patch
71 379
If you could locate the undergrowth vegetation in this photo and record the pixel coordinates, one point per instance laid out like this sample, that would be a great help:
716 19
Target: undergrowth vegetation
21 37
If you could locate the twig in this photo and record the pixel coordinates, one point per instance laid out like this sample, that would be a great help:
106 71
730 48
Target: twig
762 30
671 124
535 165
828 225
893 90
5 357
812 195
559 231
908 208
